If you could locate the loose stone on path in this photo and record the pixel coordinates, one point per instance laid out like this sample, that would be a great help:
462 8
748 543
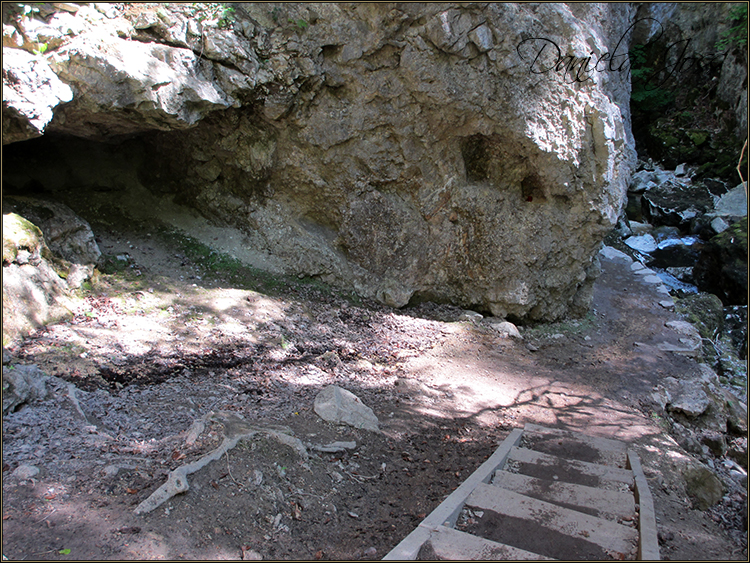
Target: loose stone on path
338 405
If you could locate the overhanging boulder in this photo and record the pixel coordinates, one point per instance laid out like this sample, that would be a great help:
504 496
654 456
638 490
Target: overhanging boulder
31 91
417 152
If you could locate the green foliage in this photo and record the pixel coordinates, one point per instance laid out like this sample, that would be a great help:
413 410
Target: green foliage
111 265
698 137
22 9
300 24
734 235
568 327
704 311
30 10
637 55
222 265
735 36
220 13
285 344
41 48
646 92
226 19
661 421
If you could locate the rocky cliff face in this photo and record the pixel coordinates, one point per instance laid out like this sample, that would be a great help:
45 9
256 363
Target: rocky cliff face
688 38
690 96
406 151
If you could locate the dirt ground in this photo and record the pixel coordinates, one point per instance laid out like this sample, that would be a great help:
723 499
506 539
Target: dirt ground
157 347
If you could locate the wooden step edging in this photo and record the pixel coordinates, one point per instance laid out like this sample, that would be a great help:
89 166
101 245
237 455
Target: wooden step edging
446 543
436 536
448 511
599 501
599 443
611 452
602 472
604 533
648 546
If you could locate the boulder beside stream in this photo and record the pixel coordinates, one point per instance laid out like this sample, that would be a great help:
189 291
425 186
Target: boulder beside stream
722 266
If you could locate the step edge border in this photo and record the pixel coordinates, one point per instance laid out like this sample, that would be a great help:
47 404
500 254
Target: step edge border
648 545
447 511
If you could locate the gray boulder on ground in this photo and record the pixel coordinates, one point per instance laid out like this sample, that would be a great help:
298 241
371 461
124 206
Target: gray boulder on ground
66 234
34 294
47 250
687 397
22 384
676 203
615 255
643 180
642 243
340 406
25 471
705 488
732 204
690 342
699 401
506 329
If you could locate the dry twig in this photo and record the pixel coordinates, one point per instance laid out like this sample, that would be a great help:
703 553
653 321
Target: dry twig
236 430
739 169
229 469
48 515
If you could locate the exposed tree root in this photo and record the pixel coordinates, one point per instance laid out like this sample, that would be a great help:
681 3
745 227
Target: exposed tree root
236 429
197 429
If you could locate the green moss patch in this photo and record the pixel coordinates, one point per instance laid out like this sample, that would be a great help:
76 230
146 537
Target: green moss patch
19 234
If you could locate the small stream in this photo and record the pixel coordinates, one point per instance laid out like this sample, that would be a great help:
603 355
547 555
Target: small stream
652 233
673 260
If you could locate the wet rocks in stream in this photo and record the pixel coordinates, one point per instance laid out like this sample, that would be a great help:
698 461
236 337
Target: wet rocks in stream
693 234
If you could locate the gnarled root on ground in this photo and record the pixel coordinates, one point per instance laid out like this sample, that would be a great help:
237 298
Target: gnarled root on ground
236 429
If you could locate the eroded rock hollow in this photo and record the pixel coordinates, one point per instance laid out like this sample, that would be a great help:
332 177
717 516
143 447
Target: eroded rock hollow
473 154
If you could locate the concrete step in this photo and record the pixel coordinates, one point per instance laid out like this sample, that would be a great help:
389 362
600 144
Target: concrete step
547 529
554 468
450 544
610 505
574 445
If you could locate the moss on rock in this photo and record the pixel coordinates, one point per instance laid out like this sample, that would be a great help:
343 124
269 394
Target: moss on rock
715 153
704 311
722 266
20 234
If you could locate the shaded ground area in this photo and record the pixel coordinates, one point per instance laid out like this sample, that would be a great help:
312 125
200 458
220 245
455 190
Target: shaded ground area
164 340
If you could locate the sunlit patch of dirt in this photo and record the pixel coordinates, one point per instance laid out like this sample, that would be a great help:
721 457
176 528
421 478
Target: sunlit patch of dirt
152 355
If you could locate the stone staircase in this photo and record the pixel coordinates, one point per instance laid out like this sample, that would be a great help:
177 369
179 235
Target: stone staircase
544 494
